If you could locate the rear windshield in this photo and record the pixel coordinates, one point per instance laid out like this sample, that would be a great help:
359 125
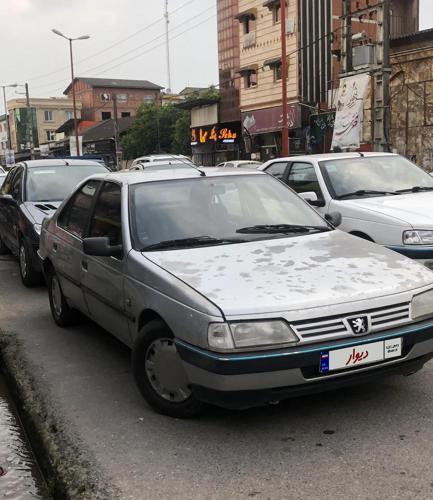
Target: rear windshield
56 183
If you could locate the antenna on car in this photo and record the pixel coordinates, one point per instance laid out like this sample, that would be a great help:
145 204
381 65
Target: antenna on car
190 164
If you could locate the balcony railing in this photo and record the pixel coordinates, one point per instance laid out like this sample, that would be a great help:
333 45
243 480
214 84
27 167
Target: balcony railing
401 26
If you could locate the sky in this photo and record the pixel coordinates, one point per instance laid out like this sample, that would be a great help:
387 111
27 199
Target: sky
127 41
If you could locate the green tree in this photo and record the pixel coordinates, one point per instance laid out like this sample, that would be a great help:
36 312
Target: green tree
182 134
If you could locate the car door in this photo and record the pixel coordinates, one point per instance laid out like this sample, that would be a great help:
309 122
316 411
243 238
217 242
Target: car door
5 224
103 277
302 178
9 218
67 244
278 169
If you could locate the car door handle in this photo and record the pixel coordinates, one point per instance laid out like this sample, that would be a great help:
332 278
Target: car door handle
84 265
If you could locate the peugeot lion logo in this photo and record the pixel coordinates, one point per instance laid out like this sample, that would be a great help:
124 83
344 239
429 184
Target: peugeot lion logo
359 325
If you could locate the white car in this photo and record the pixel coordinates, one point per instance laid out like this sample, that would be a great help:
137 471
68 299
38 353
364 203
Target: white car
382 197
160 158
161 165
241 164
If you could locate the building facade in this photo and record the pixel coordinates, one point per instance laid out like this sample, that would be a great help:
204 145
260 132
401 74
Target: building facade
47 115
97 96
3 138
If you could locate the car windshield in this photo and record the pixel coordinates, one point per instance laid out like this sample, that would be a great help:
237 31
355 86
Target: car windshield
374 175
57 182
217 210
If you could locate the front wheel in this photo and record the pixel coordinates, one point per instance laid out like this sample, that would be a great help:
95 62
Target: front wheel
62 314
159 373
29 275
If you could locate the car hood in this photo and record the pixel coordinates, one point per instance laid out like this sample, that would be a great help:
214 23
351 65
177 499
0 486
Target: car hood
293 273
414 208
39 210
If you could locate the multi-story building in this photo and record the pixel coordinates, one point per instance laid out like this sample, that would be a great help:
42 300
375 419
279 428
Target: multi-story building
3 138
97 96
48 114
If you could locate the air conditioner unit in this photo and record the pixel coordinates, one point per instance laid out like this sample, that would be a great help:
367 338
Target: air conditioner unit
364 55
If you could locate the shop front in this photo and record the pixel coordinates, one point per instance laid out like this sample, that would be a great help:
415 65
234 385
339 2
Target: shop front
213 144
262 132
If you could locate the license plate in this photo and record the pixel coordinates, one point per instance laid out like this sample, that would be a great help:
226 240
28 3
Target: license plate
352 357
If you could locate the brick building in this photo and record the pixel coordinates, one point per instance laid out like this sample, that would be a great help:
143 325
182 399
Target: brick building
412 97
96 96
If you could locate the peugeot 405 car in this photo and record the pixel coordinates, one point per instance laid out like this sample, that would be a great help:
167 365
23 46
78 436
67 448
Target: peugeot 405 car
382 197
31 191
230 289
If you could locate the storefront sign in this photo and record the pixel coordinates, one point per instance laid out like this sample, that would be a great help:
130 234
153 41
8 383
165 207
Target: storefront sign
350 111
263 121
214 134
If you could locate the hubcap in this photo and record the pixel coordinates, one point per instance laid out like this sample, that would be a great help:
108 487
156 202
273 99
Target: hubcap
165 372
23 261
56 295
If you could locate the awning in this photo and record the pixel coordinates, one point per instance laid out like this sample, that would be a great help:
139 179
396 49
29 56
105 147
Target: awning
247 14
248 69
270 4
272 62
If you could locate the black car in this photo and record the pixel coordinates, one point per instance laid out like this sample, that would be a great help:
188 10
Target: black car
32 191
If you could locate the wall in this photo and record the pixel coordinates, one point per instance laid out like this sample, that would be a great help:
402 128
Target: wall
205 115
267 46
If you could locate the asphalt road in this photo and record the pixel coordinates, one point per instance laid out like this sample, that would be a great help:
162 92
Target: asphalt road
368 442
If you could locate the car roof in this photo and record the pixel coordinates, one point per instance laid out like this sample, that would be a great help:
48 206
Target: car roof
329 156
136 177
59 162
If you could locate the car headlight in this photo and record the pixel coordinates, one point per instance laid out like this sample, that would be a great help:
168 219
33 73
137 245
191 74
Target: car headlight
422 305
250 334
37 228
417 237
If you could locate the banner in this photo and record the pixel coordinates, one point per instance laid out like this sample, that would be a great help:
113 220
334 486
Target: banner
350 112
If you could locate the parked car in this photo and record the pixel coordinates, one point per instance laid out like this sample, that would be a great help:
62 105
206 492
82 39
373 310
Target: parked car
240 164
161 165
382 197
160 158
31 191
230 289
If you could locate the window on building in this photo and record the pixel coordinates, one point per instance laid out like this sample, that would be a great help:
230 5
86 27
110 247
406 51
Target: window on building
276 13
126 114
122 97
51 135
250 79
249 24
104 97
106 115
68 115
49 116
278 72
148 98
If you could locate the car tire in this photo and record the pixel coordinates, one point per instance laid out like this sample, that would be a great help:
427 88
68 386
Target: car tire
29 275
3 248
62 314
159 374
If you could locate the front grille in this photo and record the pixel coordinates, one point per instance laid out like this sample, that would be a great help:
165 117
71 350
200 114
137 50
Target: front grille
335 327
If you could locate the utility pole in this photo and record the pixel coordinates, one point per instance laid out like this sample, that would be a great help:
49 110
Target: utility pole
167 42
285 128
116 130
30 122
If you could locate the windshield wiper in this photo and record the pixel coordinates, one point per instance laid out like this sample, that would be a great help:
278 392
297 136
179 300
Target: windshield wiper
280 228
196 241
415 189
364 192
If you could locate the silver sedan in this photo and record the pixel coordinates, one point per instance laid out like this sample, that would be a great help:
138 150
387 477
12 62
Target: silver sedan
230 289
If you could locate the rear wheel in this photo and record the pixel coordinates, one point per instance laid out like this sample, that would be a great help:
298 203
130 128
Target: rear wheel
62 314
159 373
29 275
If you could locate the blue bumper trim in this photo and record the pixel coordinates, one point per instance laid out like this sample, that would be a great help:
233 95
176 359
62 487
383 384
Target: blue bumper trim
413 252
323 347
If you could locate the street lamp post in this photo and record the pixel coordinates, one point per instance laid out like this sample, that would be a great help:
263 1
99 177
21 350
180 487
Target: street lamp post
4 87
285 128
74 102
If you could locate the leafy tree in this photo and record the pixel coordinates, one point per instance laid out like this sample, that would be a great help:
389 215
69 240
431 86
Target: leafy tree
182 134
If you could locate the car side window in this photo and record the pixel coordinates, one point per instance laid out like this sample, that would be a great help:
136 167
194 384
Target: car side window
303 178
75 215
106 219
277 169
229 164
17 184
7 185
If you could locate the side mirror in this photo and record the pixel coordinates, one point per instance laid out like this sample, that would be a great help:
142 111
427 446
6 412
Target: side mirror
311 198
100 247
334 218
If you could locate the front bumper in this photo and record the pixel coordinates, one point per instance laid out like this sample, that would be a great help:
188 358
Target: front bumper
242 380
422 254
